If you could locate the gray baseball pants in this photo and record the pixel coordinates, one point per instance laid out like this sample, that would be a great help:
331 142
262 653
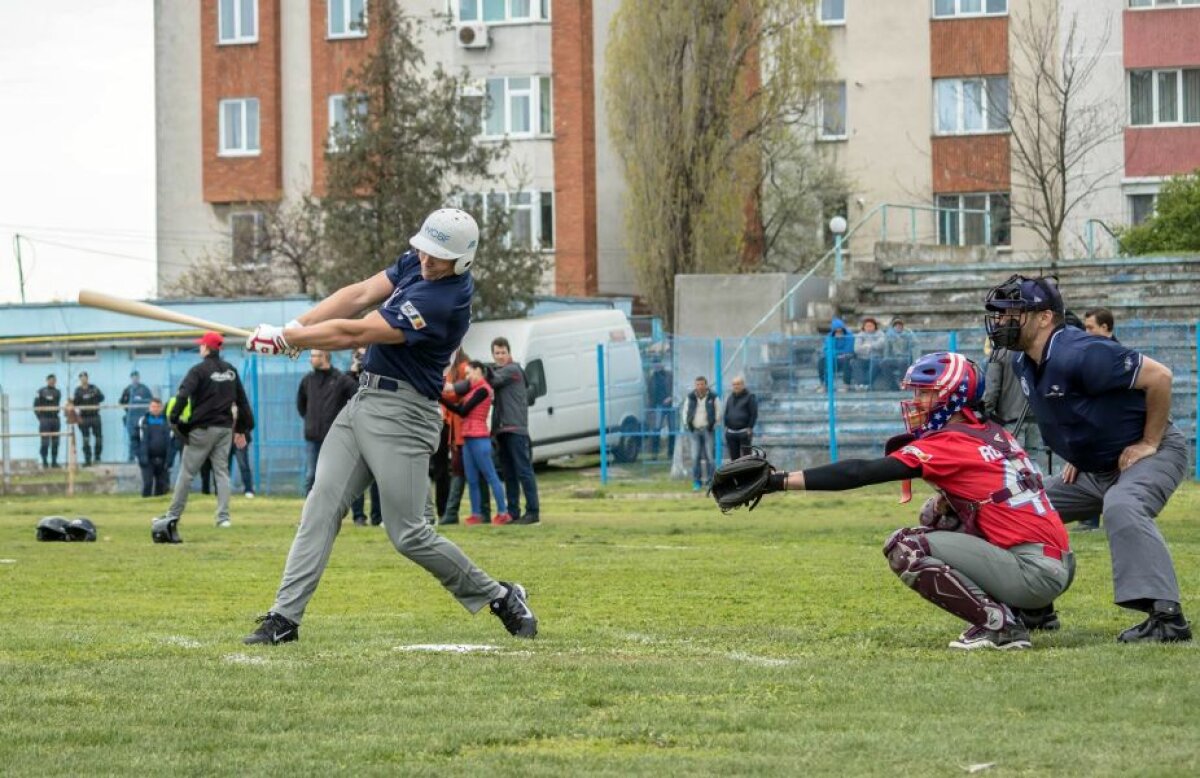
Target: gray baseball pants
390 434
211 443
1141 564
1021 576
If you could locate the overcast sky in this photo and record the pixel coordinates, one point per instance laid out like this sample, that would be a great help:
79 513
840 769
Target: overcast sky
77 147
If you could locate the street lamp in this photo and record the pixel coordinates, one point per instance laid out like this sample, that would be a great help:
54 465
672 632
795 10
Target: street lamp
837 225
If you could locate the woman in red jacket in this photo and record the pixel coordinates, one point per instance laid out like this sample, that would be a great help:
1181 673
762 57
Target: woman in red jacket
477 443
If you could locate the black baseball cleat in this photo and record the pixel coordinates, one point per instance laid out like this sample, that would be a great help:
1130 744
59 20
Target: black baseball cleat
528 518
1014 637
1165 624
513 610
1044 619
273 629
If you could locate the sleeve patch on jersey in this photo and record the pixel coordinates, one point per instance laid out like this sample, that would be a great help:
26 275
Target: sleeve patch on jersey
413 315
916 452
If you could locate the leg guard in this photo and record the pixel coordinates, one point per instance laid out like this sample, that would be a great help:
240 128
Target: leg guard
910 558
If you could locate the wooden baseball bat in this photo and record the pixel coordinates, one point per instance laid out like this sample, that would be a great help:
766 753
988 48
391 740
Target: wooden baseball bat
148 311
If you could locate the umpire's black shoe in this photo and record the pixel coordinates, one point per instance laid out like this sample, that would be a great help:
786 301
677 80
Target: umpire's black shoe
1165 624
513 610
1044 619
273 629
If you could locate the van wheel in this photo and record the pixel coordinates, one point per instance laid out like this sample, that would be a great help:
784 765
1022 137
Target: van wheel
627 450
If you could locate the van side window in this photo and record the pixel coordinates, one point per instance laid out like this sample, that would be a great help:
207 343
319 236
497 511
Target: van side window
535 379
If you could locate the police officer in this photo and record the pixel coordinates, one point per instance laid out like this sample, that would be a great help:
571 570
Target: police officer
136 400
45 407
390 428
213 389
1105 409
87 401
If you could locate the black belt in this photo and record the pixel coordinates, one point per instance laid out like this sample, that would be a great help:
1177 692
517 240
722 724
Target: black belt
376 381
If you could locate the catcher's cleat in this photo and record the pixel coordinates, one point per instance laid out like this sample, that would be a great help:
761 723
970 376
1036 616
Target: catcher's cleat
1014 637
513 611
273 629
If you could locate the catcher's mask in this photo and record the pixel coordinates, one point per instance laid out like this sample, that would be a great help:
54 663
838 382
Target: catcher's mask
944 383
1010 304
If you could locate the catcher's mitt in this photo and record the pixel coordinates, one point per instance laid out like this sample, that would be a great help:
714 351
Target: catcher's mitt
744 481
937 513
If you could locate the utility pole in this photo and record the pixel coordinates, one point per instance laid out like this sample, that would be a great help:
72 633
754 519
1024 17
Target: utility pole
20 268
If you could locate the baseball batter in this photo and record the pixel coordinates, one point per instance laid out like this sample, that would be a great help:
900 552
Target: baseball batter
390 428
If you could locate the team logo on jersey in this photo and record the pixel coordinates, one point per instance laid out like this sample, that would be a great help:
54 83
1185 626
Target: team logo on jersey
1128 362
1024 386
916 452
1055 391
413 315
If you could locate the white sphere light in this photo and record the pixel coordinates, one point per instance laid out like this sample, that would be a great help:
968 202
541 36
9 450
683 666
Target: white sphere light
837 225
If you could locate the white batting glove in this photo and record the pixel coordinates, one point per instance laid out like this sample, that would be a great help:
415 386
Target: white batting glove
293 324
268 340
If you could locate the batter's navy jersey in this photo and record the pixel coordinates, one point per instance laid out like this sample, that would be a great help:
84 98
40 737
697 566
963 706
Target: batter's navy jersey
433 315
1083 397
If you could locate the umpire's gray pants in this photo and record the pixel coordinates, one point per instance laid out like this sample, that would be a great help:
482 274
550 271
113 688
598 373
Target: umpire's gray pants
211 443
391 435
1141 564
1021 576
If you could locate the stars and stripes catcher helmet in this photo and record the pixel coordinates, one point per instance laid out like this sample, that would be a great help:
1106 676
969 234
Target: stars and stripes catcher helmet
959 385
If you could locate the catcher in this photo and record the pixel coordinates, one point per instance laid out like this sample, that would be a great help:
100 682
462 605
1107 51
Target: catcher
989 543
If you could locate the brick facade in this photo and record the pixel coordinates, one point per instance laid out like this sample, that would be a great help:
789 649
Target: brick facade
574 150
968 47
233 71
1161 151
1162 38
333 60
971 163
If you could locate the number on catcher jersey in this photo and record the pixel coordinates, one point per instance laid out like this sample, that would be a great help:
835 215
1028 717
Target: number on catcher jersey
1030 497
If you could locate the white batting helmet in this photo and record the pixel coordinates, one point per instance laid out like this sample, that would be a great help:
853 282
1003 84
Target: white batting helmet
449 233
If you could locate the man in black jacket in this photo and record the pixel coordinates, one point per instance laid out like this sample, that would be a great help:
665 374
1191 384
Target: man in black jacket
155 450
213 387
45 408
87 400
741 414
318 401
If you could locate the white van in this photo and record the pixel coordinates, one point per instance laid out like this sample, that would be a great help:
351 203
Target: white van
558 352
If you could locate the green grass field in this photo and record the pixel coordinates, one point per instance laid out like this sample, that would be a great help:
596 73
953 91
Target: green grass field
674 641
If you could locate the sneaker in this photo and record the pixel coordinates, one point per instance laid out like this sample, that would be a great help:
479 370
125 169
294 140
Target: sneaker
360 521
249 495
447 520
528 518
1014 637
1087 525
1165 624
273 629
1044 619
500 519
224 523
473 520
696 486
513 610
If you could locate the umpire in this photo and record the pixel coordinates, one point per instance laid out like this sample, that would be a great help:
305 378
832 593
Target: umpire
1105 409
390 428
213 387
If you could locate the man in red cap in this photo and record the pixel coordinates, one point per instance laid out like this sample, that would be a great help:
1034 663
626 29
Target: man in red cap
211 388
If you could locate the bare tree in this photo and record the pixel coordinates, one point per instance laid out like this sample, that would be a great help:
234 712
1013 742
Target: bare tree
694 91
1056 123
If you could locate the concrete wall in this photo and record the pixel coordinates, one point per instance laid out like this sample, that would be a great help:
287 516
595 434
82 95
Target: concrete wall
728 306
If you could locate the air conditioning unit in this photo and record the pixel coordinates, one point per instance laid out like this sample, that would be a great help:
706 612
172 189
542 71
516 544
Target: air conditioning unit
473 35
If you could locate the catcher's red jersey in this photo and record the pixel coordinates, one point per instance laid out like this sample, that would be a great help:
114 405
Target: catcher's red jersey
968 468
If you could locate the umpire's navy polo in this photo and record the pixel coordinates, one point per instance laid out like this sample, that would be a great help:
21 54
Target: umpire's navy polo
433 315
1083 397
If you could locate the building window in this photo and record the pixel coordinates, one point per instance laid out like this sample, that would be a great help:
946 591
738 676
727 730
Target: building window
237 21
1161 3
1141 207
970 105
833 111
833 11
341 123
500 11
82 355
147 351
1164 97
245 231
518 106
530 214
347 18
238 127
948 8
964 220
37 356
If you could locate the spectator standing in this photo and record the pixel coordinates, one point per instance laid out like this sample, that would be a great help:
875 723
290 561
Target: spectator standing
87 401
703 410
1099 321
135 399
456 385
741 415
348 386
321 395
477 444
843 351
901 348
510 425
213 388
155 450
46 408
870 347
661 410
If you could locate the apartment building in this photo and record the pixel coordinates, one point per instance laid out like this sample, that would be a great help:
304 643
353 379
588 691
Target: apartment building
248 90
